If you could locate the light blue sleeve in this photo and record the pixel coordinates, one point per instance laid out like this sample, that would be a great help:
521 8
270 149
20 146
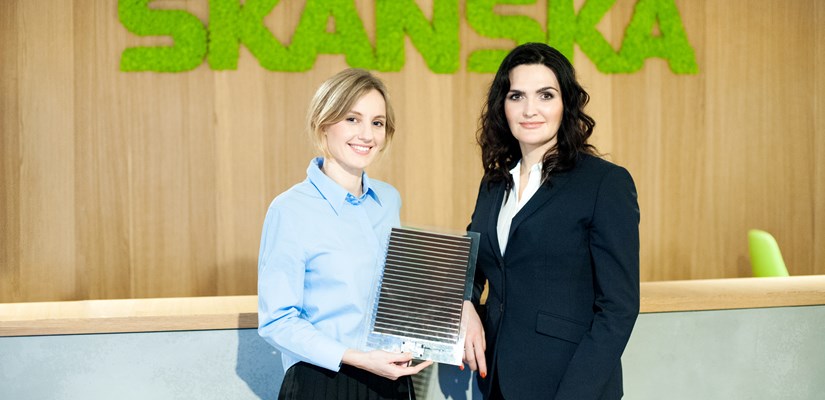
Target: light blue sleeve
281 267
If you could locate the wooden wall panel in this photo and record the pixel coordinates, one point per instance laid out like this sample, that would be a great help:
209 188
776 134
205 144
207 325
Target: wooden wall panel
818 173
124 185
664 160
719 153
9 156
239 132
45 106
102 157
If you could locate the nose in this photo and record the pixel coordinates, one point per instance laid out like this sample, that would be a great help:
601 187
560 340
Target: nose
529 110
365 134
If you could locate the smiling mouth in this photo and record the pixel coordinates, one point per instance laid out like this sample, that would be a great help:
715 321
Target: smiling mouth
364 150
531 125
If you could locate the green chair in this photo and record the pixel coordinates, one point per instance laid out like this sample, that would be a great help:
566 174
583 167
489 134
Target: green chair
766 259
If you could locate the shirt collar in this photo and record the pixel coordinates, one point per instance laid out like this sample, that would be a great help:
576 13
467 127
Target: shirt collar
515 172
536 167
334 194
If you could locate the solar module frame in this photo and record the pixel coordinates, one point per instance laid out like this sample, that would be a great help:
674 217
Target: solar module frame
427 276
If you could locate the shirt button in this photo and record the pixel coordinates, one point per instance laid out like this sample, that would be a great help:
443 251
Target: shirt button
501 307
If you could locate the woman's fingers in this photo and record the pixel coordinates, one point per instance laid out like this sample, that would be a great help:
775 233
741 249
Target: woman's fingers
470 358
474 342
481 362
400 358
396 365
416 369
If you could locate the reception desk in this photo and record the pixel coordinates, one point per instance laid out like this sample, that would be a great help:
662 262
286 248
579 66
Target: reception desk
726 338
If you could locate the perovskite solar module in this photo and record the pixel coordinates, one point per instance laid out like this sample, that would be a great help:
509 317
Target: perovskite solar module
427 276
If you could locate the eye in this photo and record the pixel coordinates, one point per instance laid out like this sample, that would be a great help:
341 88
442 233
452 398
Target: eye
351 119
547 95
378 123
514 96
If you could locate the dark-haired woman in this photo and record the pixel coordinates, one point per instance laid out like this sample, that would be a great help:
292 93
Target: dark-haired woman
560 241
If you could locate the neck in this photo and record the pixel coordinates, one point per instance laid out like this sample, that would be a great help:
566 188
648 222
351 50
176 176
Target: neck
347 178
529 159
531 155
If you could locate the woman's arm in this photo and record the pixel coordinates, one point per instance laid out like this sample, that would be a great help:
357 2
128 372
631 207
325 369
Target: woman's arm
614 249
281 268
475 343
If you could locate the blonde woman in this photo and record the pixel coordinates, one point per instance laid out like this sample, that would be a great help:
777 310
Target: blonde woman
322 249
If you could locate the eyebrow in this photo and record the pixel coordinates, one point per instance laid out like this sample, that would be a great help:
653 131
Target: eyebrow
361 115
544 89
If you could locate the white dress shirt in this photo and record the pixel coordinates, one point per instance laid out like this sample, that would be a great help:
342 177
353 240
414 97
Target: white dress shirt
512 204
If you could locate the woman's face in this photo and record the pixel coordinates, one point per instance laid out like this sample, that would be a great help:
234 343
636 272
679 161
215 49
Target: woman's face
353 143
534 107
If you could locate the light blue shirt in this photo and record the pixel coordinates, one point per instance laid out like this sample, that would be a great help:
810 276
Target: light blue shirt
322 250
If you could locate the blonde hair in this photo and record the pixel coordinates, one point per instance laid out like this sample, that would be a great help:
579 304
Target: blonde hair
337 96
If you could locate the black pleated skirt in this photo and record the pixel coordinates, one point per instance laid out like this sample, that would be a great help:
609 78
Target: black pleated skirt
304 381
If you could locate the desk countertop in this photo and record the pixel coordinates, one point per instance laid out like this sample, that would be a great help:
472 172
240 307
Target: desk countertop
234 312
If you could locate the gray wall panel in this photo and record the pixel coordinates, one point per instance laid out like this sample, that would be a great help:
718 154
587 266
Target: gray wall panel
770 353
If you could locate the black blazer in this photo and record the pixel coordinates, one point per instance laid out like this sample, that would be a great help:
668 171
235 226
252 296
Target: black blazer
564 297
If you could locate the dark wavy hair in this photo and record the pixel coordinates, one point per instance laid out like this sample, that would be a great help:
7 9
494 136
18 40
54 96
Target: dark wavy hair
500 149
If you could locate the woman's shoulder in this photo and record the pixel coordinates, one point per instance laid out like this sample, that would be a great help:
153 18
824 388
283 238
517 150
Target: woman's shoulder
603 176
385 191
295 198
598 165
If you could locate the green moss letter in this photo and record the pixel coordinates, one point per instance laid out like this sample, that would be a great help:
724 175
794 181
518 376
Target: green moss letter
672 45
185 29
437 41
566 28
482 19
231 24
349 38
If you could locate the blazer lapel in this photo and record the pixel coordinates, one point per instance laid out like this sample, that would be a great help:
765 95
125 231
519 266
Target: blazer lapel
496 197
543 195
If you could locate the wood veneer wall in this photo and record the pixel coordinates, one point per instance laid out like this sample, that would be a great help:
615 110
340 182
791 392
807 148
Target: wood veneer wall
129 185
